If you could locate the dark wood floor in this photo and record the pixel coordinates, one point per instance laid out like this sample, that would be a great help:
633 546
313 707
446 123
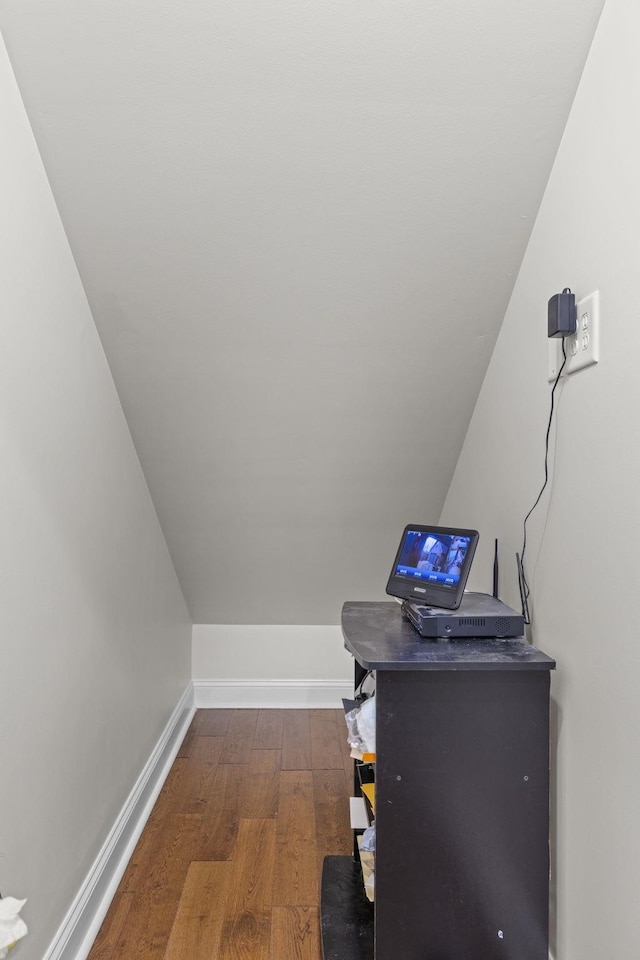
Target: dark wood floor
228 865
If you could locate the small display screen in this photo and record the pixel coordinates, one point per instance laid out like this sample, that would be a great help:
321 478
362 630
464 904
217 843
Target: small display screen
435 558
432 565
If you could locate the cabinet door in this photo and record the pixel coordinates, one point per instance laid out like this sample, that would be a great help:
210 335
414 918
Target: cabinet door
462 786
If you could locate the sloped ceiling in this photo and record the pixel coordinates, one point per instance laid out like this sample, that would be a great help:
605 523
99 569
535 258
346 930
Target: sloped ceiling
298 225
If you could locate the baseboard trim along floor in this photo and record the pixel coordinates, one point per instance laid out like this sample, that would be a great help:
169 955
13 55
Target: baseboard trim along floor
79 928
298 694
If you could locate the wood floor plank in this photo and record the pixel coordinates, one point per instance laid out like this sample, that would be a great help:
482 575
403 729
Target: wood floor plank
326 745
295 934
260 788
197 927
189 738
269 730
296 876
176 845
221 814
207 749
331 808
143 854
111 929
170 791
198 774
296 741
239 739
245 934
212 723
155 901
146 931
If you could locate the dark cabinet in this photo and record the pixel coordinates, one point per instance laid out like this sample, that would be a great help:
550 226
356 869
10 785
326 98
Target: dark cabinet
462 800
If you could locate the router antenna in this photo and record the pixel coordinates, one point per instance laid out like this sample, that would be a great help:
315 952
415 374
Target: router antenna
495 571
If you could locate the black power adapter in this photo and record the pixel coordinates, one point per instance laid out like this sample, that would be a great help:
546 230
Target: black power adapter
561 314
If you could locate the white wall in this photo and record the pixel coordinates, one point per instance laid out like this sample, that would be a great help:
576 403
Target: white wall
270 665
279 211
94 632
270 651
583 558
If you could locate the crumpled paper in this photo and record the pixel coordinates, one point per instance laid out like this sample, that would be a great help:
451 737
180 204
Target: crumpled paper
12 926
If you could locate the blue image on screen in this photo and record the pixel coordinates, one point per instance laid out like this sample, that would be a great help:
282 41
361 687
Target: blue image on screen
434 558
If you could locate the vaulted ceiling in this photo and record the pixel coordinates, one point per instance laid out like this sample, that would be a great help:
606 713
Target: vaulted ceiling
298 225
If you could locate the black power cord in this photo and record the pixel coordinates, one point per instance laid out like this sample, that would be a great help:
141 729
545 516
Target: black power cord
522 579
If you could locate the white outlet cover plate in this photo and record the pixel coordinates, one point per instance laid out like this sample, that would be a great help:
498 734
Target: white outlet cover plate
583 348
554 358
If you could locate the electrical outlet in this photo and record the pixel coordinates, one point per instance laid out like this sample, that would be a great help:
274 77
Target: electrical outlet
583 347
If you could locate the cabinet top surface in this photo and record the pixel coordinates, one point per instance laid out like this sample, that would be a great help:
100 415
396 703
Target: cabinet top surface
381 639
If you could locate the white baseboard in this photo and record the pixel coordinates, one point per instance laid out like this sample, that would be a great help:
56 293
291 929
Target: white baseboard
79 928
271 693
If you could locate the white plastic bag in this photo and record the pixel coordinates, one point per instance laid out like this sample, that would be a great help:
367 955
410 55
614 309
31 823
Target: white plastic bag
369 839
367 724
12 926
361 726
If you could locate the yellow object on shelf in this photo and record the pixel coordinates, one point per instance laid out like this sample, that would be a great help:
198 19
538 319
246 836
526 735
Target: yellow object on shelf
369 790
365 757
